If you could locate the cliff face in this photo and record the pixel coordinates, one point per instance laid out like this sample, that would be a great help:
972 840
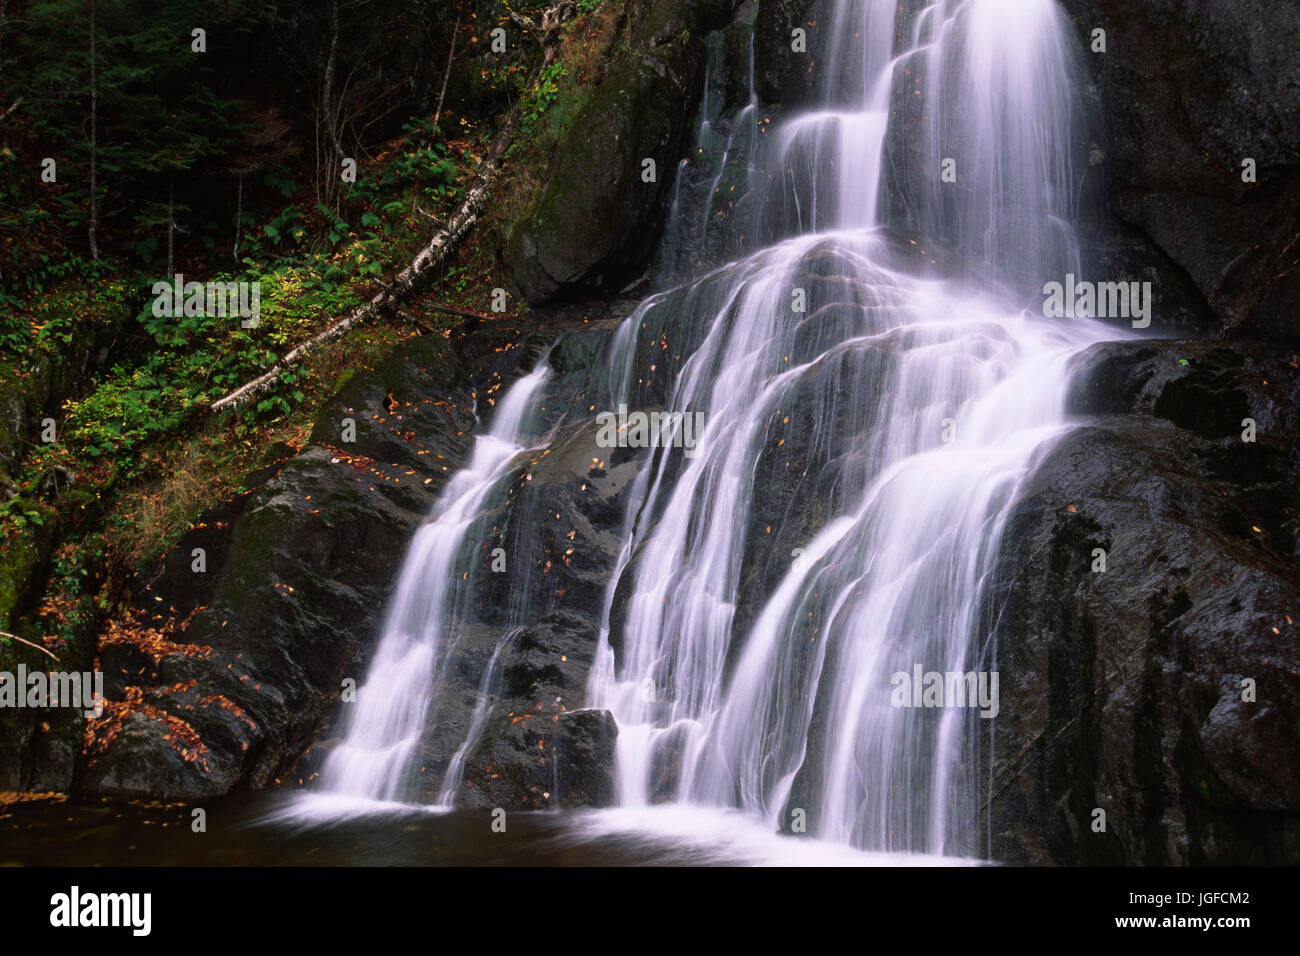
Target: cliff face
1198 98
1144 608
598 217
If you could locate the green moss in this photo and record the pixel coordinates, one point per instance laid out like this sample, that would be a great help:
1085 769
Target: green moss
18 561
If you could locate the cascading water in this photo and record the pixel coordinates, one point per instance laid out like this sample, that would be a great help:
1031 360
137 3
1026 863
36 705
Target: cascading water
924 392
383 730
873 400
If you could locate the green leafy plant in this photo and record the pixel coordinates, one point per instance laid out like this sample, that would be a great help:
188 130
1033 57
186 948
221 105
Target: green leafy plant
547 91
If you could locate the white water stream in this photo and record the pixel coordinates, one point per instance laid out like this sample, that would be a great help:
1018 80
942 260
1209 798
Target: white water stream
927 392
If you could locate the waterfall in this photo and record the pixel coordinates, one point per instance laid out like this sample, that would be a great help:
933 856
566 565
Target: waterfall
922 393
876 380
383 727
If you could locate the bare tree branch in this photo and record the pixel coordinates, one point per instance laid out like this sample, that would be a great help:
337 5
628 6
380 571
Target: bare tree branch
20 640
451 54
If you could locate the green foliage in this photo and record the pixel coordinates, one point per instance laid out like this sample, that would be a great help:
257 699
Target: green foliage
427 166
546 92
129 408
196 359
159 109
208 143
20 513
458 279
74 574
87 295
26 269
285 226
424 164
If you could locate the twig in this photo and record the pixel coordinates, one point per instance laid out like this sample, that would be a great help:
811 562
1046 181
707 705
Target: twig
457 310
29 644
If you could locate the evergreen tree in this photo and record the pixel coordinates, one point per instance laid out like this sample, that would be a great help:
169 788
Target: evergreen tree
132 111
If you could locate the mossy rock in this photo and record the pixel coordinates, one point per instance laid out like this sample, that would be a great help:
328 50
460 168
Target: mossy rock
597 220
18 562
293 595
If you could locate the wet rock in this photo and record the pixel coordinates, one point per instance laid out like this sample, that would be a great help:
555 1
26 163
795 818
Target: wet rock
1124 690
541 762
586 758
299 571
539 614
782 76
597 220
1118 252
145 761
39 747
1188 92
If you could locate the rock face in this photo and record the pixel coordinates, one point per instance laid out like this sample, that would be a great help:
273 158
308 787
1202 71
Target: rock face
522 660
781 76
1189 92
598 218
39 748
291 598
1162 690
301 568
562 565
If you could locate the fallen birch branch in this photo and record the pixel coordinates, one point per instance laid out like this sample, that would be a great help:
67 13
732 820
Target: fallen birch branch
410 279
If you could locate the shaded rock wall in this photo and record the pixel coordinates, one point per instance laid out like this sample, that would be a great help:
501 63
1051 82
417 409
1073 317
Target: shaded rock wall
597 220
1188 91
1123 689
293 593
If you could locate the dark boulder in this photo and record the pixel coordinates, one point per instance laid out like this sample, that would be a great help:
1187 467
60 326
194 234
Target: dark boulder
1188 92
597 220
586 758
293 591
1126 689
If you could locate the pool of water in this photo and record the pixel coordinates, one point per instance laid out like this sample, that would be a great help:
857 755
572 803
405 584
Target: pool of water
289 830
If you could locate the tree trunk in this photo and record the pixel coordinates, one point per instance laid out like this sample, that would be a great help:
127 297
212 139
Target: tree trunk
328 114
451 55
413 277
171 228
94 115
239 214
4 25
